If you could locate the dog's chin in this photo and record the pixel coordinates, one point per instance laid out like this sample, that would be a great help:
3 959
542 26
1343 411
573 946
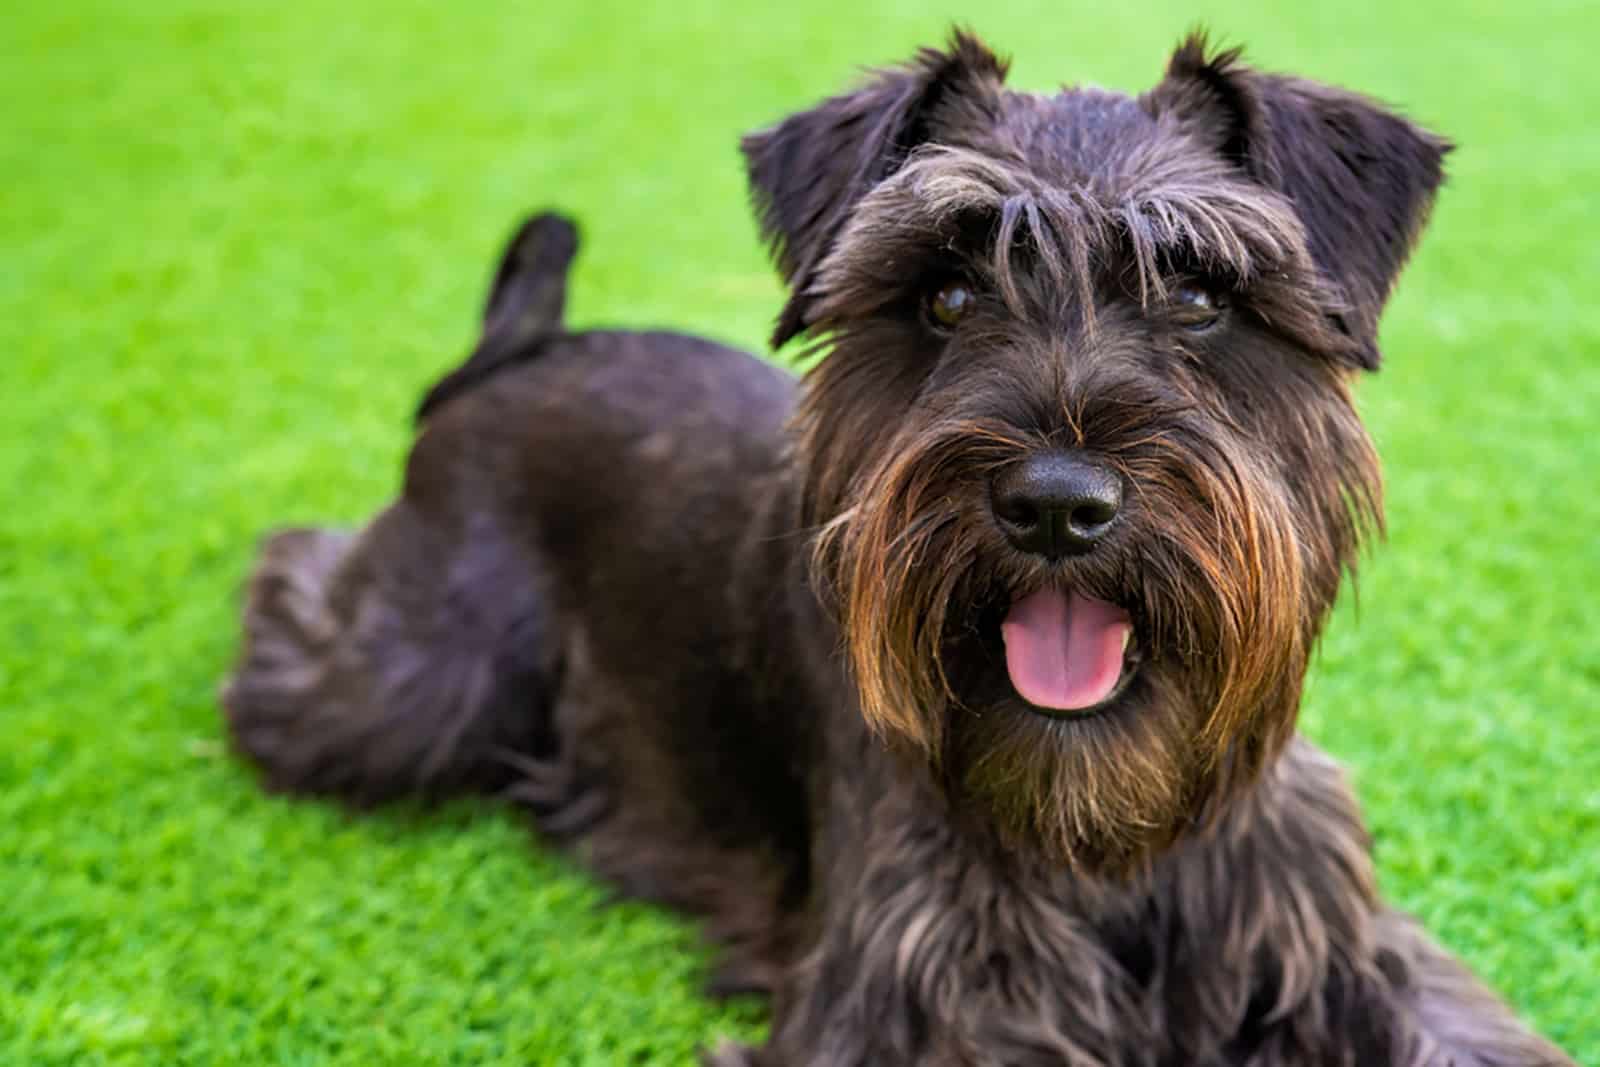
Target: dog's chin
1095 786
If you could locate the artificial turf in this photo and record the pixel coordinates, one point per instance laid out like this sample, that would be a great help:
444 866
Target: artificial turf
239 240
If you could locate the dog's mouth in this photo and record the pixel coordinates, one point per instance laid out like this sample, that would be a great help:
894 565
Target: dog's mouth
1067 653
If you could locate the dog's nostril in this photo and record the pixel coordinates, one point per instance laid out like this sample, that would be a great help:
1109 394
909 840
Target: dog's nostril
1092 514
1056 504
1016 511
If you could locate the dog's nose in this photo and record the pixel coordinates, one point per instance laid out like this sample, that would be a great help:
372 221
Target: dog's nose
1056 504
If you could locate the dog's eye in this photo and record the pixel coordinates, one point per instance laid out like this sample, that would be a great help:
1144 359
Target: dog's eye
1194 307
949 304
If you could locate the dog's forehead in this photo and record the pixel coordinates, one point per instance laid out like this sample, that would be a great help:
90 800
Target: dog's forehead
1095 138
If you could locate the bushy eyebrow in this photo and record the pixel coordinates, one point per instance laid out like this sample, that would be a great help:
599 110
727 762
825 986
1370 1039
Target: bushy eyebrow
1162 216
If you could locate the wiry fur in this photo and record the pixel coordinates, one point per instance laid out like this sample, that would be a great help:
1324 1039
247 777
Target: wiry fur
735 643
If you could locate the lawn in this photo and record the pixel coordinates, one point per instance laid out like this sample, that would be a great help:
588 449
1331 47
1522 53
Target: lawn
240 240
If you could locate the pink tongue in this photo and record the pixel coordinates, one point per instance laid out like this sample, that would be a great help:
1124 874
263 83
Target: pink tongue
1064 651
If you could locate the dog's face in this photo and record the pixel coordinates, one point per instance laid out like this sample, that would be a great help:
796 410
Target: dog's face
1080 448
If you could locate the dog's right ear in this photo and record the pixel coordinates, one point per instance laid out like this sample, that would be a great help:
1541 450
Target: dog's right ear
808 172
526 299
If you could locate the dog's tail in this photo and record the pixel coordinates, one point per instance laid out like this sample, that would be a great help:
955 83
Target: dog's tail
524 306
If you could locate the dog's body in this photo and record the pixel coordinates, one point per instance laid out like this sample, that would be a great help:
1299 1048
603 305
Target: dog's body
623 565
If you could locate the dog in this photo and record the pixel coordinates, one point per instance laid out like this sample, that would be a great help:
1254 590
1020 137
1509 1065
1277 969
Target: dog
954 687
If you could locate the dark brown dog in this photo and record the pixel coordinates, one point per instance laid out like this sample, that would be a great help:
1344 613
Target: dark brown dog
955 689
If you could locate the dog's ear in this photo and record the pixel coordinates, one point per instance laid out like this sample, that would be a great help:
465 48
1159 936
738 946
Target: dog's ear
807 172
1361 178
525 302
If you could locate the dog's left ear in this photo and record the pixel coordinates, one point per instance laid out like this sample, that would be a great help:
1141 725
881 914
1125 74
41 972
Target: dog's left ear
1361 178
808 172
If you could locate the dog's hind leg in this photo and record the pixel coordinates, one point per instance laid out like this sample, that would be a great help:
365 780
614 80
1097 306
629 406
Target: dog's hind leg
413 657
410 658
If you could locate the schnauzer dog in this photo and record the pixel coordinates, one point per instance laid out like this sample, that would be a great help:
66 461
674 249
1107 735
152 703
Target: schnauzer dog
955 688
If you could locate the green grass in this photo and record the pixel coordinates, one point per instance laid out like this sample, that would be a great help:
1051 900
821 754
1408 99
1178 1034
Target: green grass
238 242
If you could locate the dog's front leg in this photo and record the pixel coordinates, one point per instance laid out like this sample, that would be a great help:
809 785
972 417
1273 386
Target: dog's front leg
1456 1020
932 951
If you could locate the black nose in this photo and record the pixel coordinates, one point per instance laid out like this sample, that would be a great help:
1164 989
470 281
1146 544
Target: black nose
1056 504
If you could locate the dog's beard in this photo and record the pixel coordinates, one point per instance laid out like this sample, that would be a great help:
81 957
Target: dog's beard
1208 567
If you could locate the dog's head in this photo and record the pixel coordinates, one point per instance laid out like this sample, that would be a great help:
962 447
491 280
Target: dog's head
1080 449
